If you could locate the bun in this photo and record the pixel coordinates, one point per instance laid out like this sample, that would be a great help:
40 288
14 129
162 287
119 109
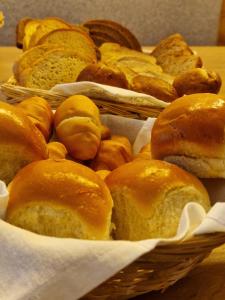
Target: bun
197 80
105 132
104 75
78 127
56 150
20 141
39 112
145 152
155 87
191 133
112 153
149 196
60 198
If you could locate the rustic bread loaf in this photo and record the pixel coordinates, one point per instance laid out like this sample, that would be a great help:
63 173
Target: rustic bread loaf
175 56
111 31
57 66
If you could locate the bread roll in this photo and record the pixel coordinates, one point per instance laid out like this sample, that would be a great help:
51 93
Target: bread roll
112 154
39 112
190 132
102 74
78 127
155 87
56 150
60 198
105 132
149 196
197 80
20 141
144 153
103 173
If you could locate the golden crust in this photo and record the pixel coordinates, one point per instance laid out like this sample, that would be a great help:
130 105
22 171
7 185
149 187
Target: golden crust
103 74
39 112
192 125
105 132
155 87
197 80
112 153
56 150
150 180
78 126
65 184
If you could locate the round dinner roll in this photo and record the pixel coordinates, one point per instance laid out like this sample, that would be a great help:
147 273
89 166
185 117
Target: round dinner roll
190 132
78 127
56 150
149 196
60 198
20 141
39 112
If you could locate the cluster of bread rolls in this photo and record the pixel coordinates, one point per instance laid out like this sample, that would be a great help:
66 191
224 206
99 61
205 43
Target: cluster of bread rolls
106 52
86 183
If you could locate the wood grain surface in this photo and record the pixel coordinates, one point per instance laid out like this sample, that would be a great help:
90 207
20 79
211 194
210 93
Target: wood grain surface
207 281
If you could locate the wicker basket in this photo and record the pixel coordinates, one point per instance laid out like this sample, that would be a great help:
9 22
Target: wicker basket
158 269
16 94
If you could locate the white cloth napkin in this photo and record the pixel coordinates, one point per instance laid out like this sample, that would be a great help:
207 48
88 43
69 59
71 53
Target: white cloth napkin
35 267
101 91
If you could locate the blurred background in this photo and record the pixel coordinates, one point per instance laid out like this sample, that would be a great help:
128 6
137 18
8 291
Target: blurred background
149 20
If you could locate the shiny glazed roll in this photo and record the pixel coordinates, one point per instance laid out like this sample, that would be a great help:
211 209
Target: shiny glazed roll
190 132
149 196
112 153
20 141
39 112
78 127
60 198
56 150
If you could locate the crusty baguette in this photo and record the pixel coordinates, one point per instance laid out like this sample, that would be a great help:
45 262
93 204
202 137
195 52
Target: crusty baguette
197 80
57 66
175 56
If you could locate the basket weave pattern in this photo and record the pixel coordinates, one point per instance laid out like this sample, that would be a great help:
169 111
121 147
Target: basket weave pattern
158 269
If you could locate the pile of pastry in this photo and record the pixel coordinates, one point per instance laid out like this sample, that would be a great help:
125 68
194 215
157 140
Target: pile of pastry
68 177
106 52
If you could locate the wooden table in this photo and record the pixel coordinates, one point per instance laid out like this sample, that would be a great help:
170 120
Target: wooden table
207 281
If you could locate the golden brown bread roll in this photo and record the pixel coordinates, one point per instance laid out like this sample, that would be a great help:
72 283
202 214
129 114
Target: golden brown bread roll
197 80
191 133
78 127
149 196
112 153
39 112
60 198
105 132
144 153
56 150
20 141
103 74
155 87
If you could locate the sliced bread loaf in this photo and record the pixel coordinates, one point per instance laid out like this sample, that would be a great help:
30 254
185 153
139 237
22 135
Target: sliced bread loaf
73 39
57 66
